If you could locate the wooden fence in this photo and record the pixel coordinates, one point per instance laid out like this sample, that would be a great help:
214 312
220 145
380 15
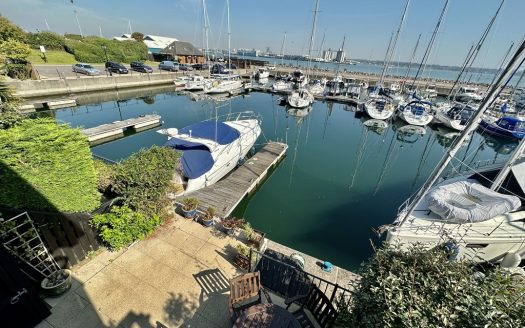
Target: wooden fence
68 236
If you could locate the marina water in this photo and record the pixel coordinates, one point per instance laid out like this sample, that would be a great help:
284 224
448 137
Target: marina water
339 180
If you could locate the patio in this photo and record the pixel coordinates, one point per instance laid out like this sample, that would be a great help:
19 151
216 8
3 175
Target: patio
179 277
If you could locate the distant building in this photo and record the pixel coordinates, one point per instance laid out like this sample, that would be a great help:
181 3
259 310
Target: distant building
181 51
340 56
249 52
154 43
328 55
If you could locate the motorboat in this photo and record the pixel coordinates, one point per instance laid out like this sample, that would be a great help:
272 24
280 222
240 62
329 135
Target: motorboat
336 86
455 117
300 98
280 85
298 79
211 149
195 83
430 92
507 126
416 112
467 94
181 81
223 83
316 88
261 73
379 105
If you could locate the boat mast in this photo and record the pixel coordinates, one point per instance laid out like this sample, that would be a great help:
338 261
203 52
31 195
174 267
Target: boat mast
390 51
514 63
503 61
312 36
412 57
430 44
517 85
282 49
229 35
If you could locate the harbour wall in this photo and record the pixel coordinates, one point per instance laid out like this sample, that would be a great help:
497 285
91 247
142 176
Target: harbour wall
67 86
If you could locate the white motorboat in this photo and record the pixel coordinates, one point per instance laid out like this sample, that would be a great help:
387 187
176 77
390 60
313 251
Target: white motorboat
281 85
467 94
395 88
430 92
261 73
479 214
223 83
416 112
195 83
378 105
298 79
300 98
211 149
181 81
316 88
455 117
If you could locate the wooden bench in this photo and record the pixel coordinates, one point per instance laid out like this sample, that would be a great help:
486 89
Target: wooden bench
318 304
246 291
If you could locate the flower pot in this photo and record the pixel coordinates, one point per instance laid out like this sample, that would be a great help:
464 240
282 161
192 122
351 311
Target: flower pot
189 214
207 222
56 288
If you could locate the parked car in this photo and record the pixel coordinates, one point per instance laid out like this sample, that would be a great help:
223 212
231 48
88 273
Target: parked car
184 67
168 65
116 68
270 68
200 67
140 67
85 69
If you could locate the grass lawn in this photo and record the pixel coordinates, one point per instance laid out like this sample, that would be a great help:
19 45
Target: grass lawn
53 57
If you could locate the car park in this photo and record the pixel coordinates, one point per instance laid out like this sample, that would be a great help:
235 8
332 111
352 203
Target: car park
184 67
200 67
85 69
168 65
115 67
140 67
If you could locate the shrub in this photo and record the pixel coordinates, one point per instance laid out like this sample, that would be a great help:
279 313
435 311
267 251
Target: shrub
14 49
422 288
50 40
121 226
44 165
18 71
9 30
90 49
9 113
144 179
104 175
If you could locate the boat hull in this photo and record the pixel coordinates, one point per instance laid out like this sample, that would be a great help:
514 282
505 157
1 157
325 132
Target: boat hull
383 112
498 131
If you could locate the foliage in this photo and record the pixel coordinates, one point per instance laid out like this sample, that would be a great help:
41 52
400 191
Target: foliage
190 203
105 174
44 165
144 179
209 213
14 49
71 36
248 231
122 226
138 36
91 50
9 113
422 288
50 40
233 223
9 31
18 71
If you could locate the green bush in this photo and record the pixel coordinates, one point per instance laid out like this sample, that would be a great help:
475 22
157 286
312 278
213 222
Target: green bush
44 165
104 175
422 288
10 115
90 49
18 71
121 226
9 30
50 40
144 179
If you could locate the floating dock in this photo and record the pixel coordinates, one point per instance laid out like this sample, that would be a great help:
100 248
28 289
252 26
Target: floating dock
60 103
115 130
226 194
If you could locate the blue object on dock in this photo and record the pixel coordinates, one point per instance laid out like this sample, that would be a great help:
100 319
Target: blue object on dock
327 266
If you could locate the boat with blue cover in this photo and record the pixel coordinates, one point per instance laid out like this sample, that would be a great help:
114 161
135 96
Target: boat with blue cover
211 149
416 112
507 126
455 117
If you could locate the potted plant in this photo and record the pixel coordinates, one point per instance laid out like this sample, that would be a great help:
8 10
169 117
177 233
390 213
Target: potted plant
208 216
254 237
189 207
242 259
57 283
232 224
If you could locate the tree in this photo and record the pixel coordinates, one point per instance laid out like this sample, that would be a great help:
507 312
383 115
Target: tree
423 288
47 39
137 36
9 113
10 31
14 49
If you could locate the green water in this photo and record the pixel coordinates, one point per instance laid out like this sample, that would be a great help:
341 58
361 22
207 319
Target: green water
339 179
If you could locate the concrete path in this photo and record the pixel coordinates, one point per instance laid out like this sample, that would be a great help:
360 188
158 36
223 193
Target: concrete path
176 278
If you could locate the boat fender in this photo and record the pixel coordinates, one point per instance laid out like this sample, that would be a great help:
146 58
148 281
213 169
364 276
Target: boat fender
511 260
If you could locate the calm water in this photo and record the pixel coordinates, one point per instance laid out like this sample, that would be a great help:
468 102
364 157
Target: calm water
338 180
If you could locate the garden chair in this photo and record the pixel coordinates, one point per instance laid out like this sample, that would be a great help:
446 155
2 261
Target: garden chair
245 291
319 306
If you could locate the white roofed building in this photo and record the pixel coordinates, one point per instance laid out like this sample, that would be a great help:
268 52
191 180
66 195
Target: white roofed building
155 43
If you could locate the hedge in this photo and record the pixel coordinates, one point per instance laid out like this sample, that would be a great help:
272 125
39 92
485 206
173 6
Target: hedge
46 166
90 50
50 40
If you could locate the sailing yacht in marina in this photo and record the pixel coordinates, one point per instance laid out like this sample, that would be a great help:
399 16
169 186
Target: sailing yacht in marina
480 214
210 149
416 112
455 117
223 83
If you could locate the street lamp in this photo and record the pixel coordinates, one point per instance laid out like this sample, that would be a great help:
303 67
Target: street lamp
105 52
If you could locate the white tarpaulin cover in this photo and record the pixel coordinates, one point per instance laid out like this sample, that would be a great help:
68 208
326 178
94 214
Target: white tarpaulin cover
466 201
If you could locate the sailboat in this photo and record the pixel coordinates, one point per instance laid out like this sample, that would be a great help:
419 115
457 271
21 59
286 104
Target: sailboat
480 214
281 84
212 148
380 105
302 97
456 117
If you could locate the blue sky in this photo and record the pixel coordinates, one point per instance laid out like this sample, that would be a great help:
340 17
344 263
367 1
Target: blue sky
367 24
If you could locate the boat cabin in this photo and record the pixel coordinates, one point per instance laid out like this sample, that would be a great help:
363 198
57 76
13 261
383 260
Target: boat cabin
461 113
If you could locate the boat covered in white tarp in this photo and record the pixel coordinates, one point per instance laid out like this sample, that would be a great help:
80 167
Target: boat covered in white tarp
468 201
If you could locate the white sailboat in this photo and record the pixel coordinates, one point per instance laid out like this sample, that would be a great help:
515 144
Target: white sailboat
455 117
300 98
210 149
480 215
281 84
416 112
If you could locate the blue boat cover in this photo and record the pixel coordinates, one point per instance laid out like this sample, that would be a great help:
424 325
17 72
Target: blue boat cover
196 158
206 130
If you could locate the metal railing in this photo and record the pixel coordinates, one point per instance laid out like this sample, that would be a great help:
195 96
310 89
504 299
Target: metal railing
288 280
